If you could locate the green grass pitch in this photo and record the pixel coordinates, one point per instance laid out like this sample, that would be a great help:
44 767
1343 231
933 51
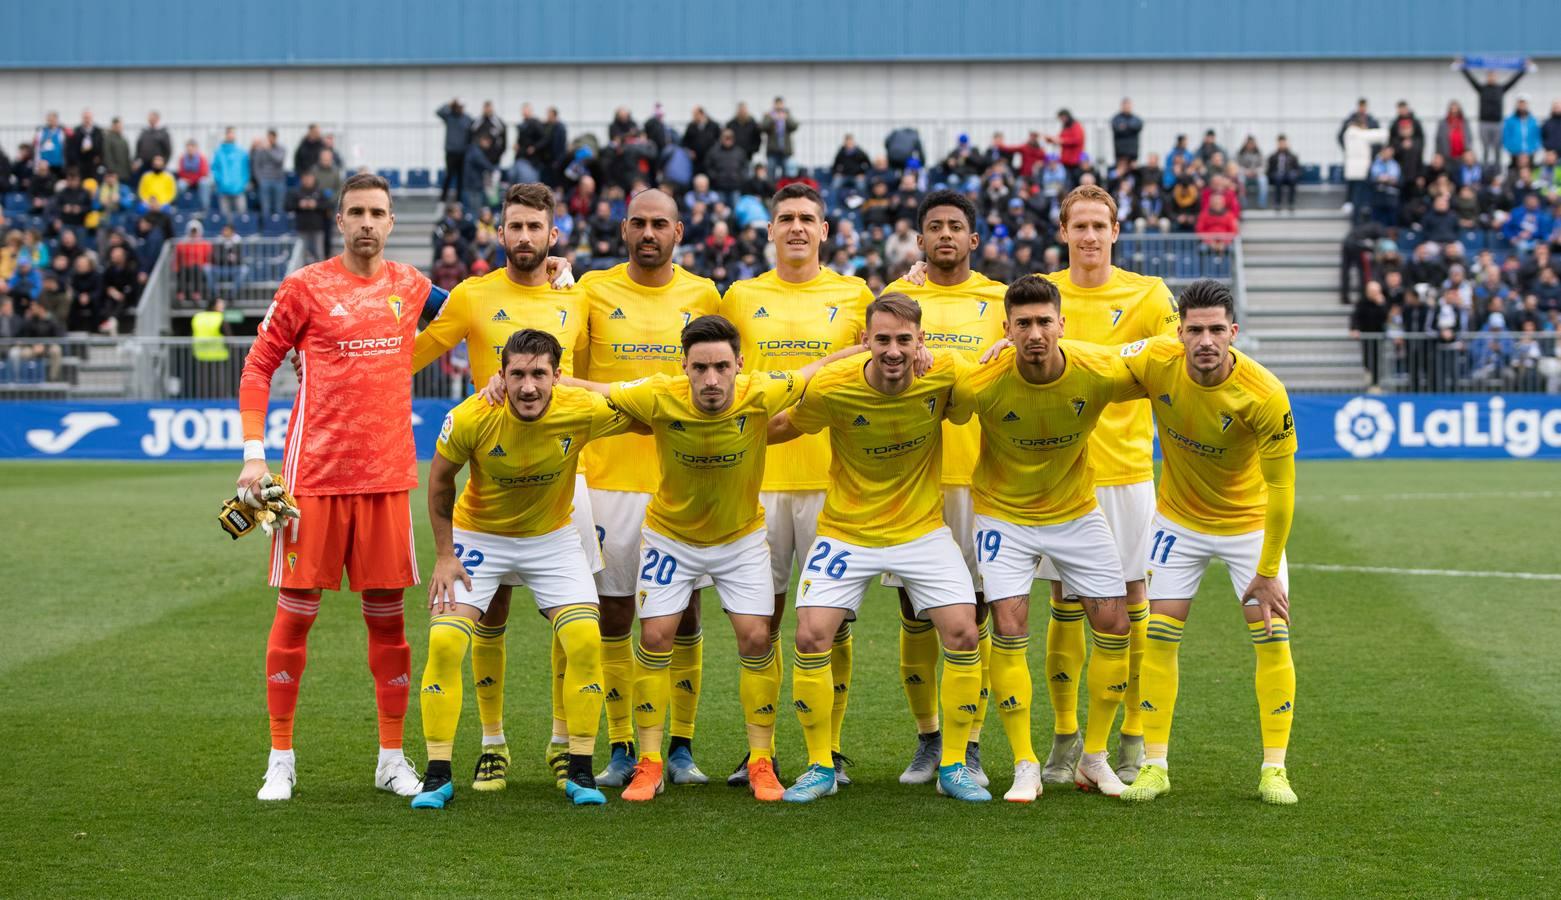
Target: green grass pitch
132 715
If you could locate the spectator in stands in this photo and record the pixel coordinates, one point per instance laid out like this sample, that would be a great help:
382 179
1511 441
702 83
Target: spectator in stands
116 152
38 326
1527 224
655 129
1547 288
1386 177
701 136
701 192
1361 115
1492 95
1520 133
25 280
84 147
152 142
1185 205
1490 288
307 154
1367 325
194 175
449 270
727 163
1541 259
311 215
622 123
486 252
1284 173
1452 133
901 147
230 174
474 177
149 239
1550 132
900 249
993 264
1125 128
779 124
227 271
746 131
1250 165
1209 148
121 285
10 323
1440 223
269 162
191 261
553 154
86 288
529 139
70 206
1069 141
457 138
328 175
49 144
1217 224
491 125
1359 136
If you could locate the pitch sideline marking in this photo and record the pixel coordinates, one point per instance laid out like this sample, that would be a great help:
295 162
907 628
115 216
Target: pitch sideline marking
1445 573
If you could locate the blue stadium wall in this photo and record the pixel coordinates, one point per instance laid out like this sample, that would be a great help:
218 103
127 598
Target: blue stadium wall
199 33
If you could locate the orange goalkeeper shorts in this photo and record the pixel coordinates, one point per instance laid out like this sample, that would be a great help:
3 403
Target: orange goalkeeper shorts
370 535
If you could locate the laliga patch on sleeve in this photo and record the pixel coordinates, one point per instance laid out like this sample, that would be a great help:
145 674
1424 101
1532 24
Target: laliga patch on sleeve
1134 348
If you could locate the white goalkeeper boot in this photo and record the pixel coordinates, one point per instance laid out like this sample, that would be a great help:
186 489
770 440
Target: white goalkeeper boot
280 777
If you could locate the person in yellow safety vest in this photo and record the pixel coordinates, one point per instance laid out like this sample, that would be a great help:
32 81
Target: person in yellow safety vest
209 329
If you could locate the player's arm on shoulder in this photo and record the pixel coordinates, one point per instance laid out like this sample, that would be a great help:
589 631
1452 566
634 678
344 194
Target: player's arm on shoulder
449 327
608 420
782 429
806 373
441 512
1124 386
596 387
636 399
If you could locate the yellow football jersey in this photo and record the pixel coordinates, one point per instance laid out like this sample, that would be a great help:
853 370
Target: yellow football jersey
1212 438
1035 438
635 332
887 458
785 326
1128 307
967 318
485 311
522 478
711 465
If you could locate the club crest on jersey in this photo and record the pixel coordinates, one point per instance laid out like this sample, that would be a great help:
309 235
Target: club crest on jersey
686 316
742 422
1225 420
833 311
1116 315
932 406
292 561
563 316
981 308
564 443
1078 405
501 316
395 305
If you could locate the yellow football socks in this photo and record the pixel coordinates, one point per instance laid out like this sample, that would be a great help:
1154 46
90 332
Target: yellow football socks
759 690
448 638
1014 691
1137 621
840 656
488 677
811 694
1275 688
918 671
687 671
577 629
1065 663
984 647
652 693
618 685
1107 684
960 694
1158 682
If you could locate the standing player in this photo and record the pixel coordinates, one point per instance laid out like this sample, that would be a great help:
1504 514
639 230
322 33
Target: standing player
882 513
484 312
1034 497
349 459
796 314
1106 305
961 311
1227 493
705 521
637 311
511 526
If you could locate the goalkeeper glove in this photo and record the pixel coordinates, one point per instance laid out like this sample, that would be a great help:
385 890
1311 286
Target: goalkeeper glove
266 503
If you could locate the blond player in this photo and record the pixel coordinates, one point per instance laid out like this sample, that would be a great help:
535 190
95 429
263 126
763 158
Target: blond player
962 311
636 312
1034 497
882 513
484 312
1228 493
794 315
1108 306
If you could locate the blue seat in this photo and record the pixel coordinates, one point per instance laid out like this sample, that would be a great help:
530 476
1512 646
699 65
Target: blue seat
1336 174
1311 174
276 225
419 178
189 201
292 179
246 224
16 203
214 222
393 176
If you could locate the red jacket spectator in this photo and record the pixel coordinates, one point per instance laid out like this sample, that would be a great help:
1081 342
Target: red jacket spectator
1217 219
1031 153
1069 141
193 168
1232 197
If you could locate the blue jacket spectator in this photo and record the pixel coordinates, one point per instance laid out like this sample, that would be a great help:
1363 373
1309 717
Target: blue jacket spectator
230 173
1521 133
457 138
25 280
1528 223
475 167
49 142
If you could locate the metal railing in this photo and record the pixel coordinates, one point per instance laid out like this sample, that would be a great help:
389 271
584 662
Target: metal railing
1179 257
1466 362
247 283
158 368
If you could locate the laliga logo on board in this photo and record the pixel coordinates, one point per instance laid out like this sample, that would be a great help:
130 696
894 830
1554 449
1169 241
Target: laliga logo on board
1365 427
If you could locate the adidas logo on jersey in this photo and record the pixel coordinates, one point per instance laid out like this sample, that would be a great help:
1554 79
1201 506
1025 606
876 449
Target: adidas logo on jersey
617 314
684 685
1011 417
338 311
761 313
968 707
1061 678
399 681
614 695
914 679
1146 706
501 316
646 708
592 688
487 681
1166 399
434 689
282 677
801 706
676 426
1009 704
1117 688
1284 708
498 450
861 420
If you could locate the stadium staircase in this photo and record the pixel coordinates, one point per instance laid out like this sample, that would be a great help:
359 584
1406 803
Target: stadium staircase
412 241
1291 275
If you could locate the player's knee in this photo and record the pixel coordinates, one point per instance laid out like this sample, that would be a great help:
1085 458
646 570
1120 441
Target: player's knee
961 636
1110 616
656 635
753 643
617 616
447 646
813 637
1011 617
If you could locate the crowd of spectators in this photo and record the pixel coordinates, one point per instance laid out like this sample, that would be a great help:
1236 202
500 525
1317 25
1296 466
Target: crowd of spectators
1451 261
722 176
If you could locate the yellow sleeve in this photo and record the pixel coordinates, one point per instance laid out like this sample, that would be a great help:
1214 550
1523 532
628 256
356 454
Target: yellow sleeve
726 308
965 392
638 398
454 443
811 415
1274 427
781 389
449 327
1166 314
1279 475
580 359
606 419
1124 386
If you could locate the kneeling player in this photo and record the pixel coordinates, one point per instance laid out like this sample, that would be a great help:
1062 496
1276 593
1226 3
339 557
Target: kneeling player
883 513
705 520
1227 492
512 526
1034 497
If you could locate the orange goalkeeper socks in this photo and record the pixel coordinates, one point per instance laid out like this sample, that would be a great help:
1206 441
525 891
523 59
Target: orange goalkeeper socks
285 657
390 662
